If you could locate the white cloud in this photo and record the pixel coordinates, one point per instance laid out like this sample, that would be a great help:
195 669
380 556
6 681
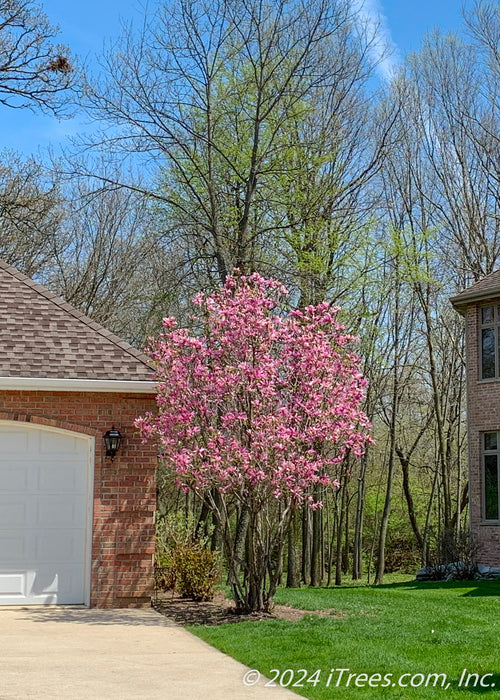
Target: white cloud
383 50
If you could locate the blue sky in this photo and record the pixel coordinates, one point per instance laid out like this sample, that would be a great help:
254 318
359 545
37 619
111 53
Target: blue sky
86 24
408 20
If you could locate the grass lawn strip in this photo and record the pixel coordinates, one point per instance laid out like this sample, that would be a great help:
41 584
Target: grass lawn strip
398 628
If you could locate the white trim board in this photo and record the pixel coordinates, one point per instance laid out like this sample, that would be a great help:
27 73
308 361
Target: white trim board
101 385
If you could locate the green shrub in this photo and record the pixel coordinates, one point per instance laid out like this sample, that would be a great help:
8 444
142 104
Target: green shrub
182 560
196 571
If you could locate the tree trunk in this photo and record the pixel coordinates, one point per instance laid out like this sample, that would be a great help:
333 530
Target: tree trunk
316 572
425 552
256 568
330 551
202 524
442 452
306 544
240 537
216 544
340 527
357 564
409 499
379 575
464 499
345 551
293 578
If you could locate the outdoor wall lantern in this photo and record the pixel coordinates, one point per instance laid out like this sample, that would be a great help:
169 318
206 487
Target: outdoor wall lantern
112 440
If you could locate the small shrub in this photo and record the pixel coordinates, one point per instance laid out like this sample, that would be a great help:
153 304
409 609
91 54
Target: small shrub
453 557
196 571
182 560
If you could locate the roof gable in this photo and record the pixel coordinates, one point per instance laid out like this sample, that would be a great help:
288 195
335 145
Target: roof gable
41 335
487 288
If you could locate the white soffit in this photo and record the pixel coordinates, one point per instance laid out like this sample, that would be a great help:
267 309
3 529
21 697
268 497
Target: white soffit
100 385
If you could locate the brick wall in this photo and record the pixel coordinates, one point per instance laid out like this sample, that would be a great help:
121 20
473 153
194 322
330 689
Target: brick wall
483 414
124 489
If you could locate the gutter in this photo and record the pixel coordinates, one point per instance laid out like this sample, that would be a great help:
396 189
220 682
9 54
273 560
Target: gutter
91 385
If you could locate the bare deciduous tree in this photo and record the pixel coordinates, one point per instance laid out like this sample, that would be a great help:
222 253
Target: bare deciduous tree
243 104
30 214
34 71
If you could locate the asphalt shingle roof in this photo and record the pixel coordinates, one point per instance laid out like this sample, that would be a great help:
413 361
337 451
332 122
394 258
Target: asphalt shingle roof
43 336
486 288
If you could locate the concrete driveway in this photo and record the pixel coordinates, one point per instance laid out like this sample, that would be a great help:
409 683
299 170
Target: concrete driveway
79 654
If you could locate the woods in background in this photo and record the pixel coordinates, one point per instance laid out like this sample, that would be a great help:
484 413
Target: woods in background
258 135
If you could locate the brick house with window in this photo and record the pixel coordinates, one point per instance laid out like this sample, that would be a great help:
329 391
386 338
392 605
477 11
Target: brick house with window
480 305
76 526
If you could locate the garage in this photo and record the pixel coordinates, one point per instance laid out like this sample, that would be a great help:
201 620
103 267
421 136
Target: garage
76 516
45 516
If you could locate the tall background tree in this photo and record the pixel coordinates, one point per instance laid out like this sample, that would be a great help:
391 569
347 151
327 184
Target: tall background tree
261 120
35 72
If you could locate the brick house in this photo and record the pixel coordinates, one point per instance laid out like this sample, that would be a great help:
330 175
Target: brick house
480 305
76 526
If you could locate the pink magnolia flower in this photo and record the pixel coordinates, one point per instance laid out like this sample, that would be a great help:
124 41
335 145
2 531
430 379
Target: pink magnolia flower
263 404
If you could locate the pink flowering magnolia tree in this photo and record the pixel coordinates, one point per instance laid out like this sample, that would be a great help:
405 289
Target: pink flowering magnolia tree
253 412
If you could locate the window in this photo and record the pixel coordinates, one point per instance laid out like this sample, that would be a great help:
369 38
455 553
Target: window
488 338
491 454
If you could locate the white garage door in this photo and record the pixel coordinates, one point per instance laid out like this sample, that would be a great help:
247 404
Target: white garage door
44 486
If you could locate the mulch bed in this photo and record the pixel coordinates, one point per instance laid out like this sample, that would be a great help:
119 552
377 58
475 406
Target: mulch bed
221 611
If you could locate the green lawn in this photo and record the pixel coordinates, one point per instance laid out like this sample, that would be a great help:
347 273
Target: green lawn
398 628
